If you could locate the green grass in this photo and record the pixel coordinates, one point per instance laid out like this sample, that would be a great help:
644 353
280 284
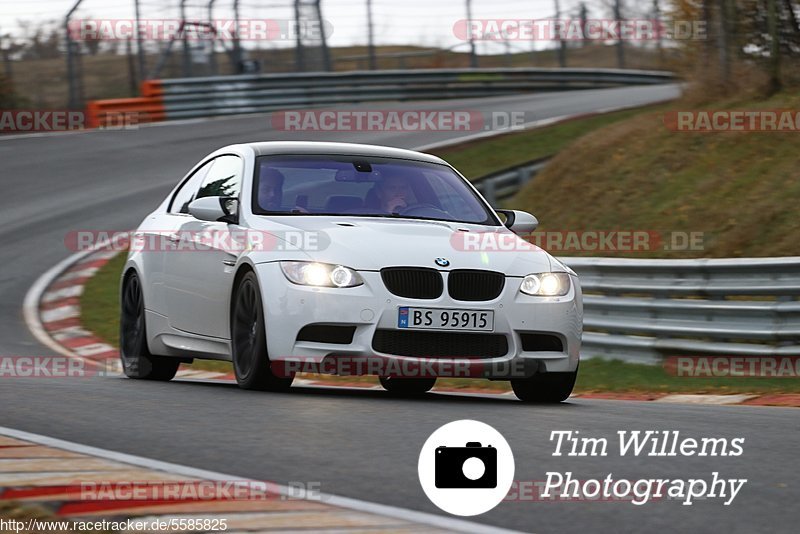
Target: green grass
100 301
479 158
739 189
617 376
100 314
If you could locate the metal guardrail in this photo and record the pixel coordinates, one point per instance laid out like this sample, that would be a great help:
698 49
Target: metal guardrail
505 184
196 97
645 310
182 98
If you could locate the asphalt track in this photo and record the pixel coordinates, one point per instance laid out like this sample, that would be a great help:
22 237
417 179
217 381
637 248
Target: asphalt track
359 444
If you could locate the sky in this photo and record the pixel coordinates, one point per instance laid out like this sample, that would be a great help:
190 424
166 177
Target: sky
418 22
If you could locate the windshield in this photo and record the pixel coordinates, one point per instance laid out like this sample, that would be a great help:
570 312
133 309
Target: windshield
361 186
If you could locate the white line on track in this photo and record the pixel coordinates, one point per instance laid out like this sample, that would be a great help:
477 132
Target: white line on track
433 520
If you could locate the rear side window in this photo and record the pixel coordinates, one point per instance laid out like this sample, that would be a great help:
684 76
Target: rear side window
185 195
221 176
224 179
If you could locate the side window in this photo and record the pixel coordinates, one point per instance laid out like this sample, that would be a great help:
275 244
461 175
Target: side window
184 195
224 179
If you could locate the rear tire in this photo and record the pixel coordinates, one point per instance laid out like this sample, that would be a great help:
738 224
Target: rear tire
137 362
251 363
545 387
407 386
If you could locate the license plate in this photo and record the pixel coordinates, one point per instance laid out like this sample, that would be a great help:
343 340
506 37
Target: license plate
445 319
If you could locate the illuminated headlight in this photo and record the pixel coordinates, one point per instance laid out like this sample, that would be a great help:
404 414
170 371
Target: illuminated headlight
546 284
308 273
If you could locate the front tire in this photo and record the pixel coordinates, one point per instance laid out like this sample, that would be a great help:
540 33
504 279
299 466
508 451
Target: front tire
406 386
545 387
249 340
137 362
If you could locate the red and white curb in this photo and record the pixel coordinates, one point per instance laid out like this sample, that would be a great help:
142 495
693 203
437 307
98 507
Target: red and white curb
53 314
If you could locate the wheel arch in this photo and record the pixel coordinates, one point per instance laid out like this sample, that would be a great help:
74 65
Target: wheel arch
127 271
243 269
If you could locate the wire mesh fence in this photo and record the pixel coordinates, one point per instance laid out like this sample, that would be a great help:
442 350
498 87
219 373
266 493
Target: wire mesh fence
61 53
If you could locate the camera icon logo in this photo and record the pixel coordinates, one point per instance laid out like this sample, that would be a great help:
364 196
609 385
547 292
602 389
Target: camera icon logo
466 467
472 466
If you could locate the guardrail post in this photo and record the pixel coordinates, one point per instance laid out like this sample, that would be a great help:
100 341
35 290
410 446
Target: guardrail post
523 176
489 191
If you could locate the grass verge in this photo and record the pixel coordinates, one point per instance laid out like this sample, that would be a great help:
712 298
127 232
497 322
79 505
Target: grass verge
100 314
479 158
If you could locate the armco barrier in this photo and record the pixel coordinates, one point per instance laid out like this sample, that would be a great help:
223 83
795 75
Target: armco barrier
505 184
645 310
224 95
115 112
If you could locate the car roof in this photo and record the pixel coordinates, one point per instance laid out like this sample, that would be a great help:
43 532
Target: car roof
353 149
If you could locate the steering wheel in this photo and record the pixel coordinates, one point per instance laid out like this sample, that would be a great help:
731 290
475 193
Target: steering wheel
423 209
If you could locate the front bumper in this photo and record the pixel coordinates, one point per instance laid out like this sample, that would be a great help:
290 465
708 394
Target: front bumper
370 307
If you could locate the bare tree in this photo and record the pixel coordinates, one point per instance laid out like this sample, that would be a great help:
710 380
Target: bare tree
774 69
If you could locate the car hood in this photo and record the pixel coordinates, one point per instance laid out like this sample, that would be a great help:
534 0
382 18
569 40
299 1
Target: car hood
370 244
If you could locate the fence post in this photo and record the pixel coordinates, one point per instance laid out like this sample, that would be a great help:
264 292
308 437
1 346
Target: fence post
74 98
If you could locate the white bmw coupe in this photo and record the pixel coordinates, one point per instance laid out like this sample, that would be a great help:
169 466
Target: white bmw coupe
349 259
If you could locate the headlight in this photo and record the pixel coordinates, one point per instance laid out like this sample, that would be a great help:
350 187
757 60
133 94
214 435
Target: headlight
546 284
309 273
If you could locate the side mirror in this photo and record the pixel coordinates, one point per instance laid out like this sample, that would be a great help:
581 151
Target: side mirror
222 209
519 222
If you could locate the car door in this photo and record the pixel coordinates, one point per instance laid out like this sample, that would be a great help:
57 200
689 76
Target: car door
199 272
154 238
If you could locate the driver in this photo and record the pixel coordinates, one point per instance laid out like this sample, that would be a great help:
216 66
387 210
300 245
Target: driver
393 193
270 189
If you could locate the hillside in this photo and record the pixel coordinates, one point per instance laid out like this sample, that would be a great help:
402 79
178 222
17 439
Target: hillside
741 190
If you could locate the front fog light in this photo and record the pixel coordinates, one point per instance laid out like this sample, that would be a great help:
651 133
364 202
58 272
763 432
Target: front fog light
307 273
546 284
